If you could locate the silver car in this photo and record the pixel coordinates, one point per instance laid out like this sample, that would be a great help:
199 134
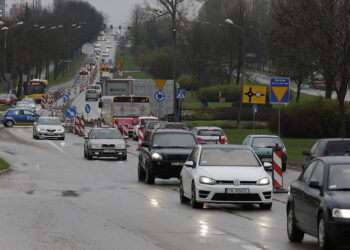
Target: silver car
210 135
48 127
91 94
105 142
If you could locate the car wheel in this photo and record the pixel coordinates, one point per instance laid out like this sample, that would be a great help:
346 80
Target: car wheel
265 206
183 199
124 158
194 203
9 124
85 154
88 156
294 233
149 177
62 139
284 166
34 137
141 173
324 242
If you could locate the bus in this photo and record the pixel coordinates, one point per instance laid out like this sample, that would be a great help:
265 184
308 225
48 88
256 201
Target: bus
36 88
118 111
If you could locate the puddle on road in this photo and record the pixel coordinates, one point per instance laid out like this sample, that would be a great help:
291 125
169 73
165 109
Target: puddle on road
69 193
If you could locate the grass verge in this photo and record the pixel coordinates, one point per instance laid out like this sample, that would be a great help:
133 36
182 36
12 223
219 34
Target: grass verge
4 107
4 164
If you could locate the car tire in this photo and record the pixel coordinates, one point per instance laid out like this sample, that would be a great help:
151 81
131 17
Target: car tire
141 173
294 233
265 206
183 198
149 179
88 156
124 158
284 166
85 157
62 139
9 123
323 240
194 203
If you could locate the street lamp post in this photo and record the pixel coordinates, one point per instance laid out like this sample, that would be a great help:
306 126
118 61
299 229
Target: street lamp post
241 58
5 49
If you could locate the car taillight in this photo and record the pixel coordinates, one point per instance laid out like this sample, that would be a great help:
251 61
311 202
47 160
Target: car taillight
199 139
223 140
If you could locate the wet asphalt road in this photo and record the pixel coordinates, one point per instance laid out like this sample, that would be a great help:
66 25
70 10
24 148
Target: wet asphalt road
55 199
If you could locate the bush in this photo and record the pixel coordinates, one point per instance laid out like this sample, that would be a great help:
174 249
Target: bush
186 82
230 91
317 119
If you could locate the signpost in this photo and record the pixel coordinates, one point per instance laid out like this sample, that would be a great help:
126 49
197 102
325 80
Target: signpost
255 110
159 96
87 110
279 94
180 94
66 97
254 94
71 113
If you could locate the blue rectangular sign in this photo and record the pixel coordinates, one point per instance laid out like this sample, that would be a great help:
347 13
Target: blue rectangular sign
279 90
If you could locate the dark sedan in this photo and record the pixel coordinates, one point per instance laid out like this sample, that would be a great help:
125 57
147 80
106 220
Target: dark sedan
319 202
164 153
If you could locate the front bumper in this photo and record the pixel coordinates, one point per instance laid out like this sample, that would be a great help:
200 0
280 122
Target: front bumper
108 152
167 169
339 231
50 135
218 194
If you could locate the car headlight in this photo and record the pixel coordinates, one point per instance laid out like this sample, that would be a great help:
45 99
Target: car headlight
341 213
207 180
40 129
60 130
263 181
157 157
120 146
95 146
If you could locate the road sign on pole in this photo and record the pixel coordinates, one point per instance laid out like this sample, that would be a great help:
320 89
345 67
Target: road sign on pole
254 94
66 97
180 94
71 112
160 83
159 96
87 108
279 90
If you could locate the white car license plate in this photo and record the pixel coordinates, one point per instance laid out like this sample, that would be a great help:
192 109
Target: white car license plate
176 163
237 190
108 150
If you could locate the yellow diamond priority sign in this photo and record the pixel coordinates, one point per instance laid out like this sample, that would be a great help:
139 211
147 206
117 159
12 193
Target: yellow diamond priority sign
254 94
160 83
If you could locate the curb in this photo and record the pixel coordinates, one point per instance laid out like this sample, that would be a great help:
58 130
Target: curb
6 171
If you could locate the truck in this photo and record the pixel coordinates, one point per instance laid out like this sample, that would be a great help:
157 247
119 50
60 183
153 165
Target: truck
144 87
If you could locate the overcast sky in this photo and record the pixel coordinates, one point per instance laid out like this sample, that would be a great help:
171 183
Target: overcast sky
118 11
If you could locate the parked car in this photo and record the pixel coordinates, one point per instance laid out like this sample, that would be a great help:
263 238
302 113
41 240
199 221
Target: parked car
140 122
105 142
328 147
83 71
172 125
8 99
263 146
225 174
319 202
48 127
18 116
91 94
210 135
164 153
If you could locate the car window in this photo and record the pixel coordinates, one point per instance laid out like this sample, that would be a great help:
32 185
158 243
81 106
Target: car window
313 149
106 134
170 140
210 132
321 148
264 142
17 112
340 147
245 142
305 176
192 155
49 121
27 112
317 174
339 177
228 157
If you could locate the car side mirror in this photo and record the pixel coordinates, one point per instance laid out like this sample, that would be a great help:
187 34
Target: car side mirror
315 184
306 153
189 164
144 144
267 165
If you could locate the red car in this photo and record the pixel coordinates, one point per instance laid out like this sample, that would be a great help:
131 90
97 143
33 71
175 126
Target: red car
8 99
83 71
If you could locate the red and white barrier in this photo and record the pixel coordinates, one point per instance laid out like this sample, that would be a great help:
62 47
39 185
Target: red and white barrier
277 173
141 138
125 131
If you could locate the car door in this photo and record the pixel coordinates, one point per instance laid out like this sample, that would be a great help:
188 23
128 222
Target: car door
145 152
298 193
18 117
188 171
29 116
313 197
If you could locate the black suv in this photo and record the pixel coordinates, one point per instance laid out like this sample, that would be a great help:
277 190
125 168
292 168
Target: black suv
164 153
328 147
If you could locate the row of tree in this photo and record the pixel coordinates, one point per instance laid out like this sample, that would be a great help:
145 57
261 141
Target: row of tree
40 38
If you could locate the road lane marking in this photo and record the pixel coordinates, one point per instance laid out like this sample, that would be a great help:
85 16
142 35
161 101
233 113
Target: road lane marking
55 146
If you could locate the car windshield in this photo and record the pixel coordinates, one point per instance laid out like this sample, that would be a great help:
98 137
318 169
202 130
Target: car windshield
339 177
28 100
6 95
210 132
266 142
174 126
106 134
228 157
143 121
49 121
94 87
338 148
174 140
91 91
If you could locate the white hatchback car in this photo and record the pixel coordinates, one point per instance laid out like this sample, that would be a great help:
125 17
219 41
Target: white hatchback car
226 174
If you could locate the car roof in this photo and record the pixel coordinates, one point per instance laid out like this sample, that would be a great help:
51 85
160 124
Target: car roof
147 117
158 131
207 127
233 146
335 159
272 136
335 139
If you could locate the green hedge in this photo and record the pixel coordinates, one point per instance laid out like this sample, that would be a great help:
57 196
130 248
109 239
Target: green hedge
317 119
211 94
